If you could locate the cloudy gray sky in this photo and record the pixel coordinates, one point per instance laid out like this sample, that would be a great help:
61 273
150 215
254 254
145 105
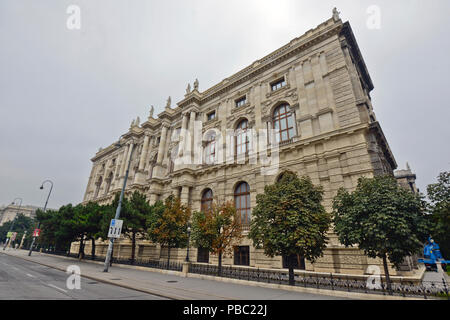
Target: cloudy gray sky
65 93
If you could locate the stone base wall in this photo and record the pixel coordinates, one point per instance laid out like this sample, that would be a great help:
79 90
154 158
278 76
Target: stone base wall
335 259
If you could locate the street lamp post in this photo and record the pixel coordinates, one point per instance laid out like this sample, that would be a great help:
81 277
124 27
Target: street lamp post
189 240
119 206
45 208
12 224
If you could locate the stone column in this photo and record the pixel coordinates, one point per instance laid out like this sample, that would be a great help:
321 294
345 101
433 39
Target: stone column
184 124
152 199
124 160
116 172
162 144
139 176
184 197
143 153
125 163
191 132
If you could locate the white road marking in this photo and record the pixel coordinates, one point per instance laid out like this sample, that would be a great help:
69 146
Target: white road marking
30 275
53 286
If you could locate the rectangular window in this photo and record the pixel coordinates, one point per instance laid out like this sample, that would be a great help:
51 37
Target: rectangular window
278 84
298 262
211 116
242 256
241 101
202 255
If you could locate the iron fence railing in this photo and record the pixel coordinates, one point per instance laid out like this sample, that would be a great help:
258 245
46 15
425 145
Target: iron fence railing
330 282
157 264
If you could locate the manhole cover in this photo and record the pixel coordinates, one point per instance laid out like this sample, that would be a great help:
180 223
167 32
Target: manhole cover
172 281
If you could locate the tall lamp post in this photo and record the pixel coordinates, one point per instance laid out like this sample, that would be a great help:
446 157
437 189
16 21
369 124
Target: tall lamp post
14 220
45 208
119 206
189 242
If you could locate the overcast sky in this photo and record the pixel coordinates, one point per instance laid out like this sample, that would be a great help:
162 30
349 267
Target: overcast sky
65 93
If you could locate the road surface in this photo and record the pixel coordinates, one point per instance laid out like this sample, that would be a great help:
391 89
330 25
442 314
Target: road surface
23 280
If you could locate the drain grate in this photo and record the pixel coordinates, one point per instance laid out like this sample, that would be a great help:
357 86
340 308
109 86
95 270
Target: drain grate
92 282
172 281
115 279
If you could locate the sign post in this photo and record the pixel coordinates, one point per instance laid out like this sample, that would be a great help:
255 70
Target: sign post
36 232
115 228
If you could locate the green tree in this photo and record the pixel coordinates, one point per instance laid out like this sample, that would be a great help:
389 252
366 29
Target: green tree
59 228
135 214
217 230
169 226
87 221
381 218
290 220
439 195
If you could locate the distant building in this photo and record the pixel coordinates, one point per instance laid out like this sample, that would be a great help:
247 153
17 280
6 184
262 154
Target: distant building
8 213
407 179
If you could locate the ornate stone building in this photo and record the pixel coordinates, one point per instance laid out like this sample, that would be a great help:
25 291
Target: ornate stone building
314 91
11 211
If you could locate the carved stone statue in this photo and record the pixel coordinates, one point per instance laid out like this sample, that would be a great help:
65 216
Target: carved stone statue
138 121
132 123
196 84
152 109
188 89
336 14
169 102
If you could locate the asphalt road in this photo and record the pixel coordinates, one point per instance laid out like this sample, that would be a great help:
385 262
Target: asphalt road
24 280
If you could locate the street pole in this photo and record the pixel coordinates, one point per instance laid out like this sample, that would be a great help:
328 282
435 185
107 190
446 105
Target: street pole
189 240
45 208
12 224
119 207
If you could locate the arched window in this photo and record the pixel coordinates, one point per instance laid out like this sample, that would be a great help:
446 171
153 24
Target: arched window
108 182
242 203
207 200
210 148
283 123
242 140
97 186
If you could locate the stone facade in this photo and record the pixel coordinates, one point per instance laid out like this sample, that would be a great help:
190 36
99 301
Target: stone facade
10 212
333 137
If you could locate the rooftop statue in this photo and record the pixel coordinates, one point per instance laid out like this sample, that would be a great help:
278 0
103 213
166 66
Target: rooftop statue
188 89
169 102
336 14
196 84
152 109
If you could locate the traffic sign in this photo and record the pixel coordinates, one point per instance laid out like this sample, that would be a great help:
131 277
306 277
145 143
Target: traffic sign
36 232
115 228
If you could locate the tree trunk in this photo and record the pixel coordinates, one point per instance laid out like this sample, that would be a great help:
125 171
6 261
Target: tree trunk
386 272
93 249
168 257
219 269
81 250
291 270
133 247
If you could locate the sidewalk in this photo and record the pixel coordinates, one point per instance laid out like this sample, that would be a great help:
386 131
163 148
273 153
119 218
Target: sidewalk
173 285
